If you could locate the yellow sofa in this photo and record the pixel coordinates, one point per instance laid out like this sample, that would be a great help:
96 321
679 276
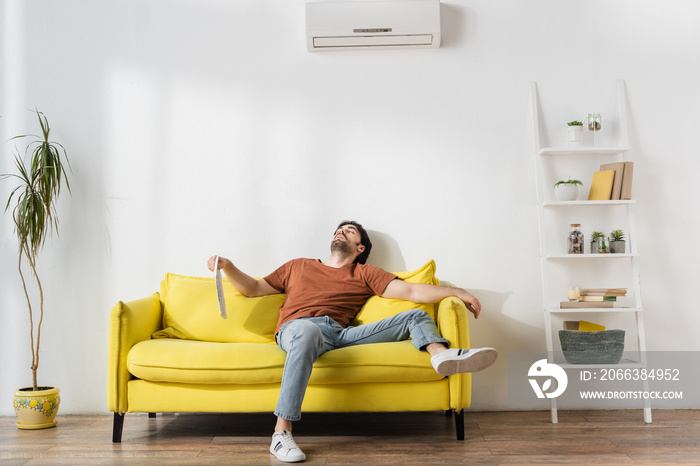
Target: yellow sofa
172 352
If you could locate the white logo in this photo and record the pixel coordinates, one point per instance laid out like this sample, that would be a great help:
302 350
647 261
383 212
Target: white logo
544 369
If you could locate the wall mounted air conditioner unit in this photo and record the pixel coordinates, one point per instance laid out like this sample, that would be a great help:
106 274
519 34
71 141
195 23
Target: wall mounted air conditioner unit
362 25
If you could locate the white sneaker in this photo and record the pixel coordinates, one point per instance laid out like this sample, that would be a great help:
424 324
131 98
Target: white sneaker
285 448
455 360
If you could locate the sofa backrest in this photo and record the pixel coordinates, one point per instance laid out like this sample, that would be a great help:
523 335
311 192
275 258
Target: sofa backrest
190 309
191 312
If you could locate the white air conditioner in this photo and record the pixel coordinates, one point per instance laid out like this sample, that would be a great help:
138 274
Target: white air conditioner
357 24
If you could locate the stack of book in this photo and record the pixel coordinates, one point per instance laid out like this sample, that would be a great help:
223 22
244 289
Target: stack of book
595 298
612 182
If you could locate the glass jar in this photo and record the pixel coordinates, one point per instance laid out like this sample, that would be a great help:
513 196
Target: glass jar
594 121
575 240
603 246
575 294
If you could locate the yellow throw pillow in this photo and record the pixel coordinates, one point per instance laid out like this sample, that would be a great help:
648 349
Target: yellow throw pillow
191 312
377 308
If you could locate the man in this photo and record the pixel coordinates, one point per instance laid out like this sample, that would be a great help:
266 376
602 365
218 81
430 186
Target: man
322 298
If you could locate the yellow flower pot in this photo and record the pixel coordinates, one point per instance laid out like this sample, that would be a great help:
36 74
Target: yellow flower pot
37 409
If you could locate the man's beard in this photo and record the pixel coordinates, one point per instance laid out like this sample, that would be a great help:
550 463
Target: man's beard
341 247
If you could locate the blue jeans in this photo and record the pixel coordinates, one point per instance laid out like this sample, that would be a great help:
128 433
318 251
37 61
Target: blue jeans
307 338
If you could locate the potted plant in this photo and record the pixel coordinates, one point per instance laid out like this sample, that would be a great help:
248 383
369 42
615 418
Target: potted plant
593 121
567 190
603 246
617 242
39 184
575 131
596 241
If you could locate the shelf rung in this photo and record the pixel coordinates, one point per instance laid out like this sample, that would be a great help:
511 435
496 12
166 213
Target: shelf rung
556 310
585 203
589 256
582 150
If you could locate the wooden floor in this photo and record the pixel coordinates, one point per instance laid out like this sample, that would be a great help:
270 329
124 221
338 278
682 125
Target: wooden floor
581 437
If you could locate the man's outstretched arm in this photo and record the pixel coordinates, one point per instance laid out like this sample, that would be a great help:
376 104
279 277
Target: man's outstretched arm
423 293
244 284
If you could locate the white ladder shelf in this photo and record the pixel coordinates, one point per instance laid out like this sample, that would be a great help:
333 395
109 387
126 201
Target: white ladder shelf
553 253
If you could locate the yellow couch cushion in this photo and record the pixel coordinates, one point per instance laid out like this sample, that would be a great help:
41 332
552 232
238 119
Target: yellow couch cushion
198 362
191 311
377 308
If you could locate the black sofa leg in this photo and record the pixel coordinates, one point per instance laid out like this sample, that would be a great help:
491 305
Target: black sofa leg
459 424
118 427
151 415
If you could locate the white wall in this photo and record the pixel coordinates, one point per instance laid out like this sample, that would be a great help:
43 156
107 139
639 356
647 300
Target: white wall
203 126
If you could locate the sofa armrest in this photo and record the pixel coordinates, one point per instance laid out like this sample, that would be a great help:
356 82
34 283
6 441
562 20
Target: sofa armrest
129 323
453 324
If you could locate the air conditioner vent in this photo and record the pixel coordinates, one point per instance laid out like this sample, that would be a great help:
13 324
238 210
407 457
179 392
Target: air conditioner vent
333 25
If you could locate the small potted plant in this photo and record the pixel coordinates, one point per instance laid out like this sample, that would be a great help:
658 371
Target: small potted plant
567 190
603 246
596 241
593 121
617 242
575 131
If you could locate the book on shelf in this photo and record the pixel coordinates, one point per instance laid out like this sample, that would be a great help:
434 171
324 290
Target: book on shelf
583 326
619 169
604 292
626 189
602 185
585 304
619 182
593 299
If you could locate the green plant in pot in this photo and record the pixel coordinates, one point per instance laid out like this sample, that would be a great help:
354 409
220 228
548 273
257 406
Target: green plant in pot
567 190
596 241
575 131
617 242
38 187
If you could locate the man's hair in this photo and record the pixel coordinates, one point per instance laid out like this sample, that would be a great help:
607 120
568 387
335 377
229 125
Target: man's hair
364 240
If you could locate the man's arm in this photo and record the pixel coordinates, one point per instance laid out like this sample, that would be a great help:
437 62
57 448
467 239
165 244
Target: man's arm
244 284
424 294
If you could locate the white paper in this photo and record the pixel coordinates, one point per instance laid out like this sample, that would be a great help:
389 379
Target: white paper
220 289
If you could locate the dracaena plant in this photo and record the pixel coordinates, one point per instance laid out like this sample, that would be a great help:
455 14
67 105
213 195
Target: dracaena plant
39 184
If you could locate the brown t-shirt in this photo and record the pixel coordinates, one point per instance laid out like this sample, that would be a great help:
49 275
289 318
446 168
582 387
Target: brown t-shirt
314 289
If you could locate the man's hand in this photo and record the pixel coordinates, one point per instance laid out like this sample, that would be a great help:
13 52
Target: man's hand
222 263
470 301
244 284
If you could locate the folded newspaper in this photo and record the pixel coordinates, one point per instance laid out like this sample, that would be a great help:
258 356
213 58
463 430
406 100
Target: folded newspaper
220 289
